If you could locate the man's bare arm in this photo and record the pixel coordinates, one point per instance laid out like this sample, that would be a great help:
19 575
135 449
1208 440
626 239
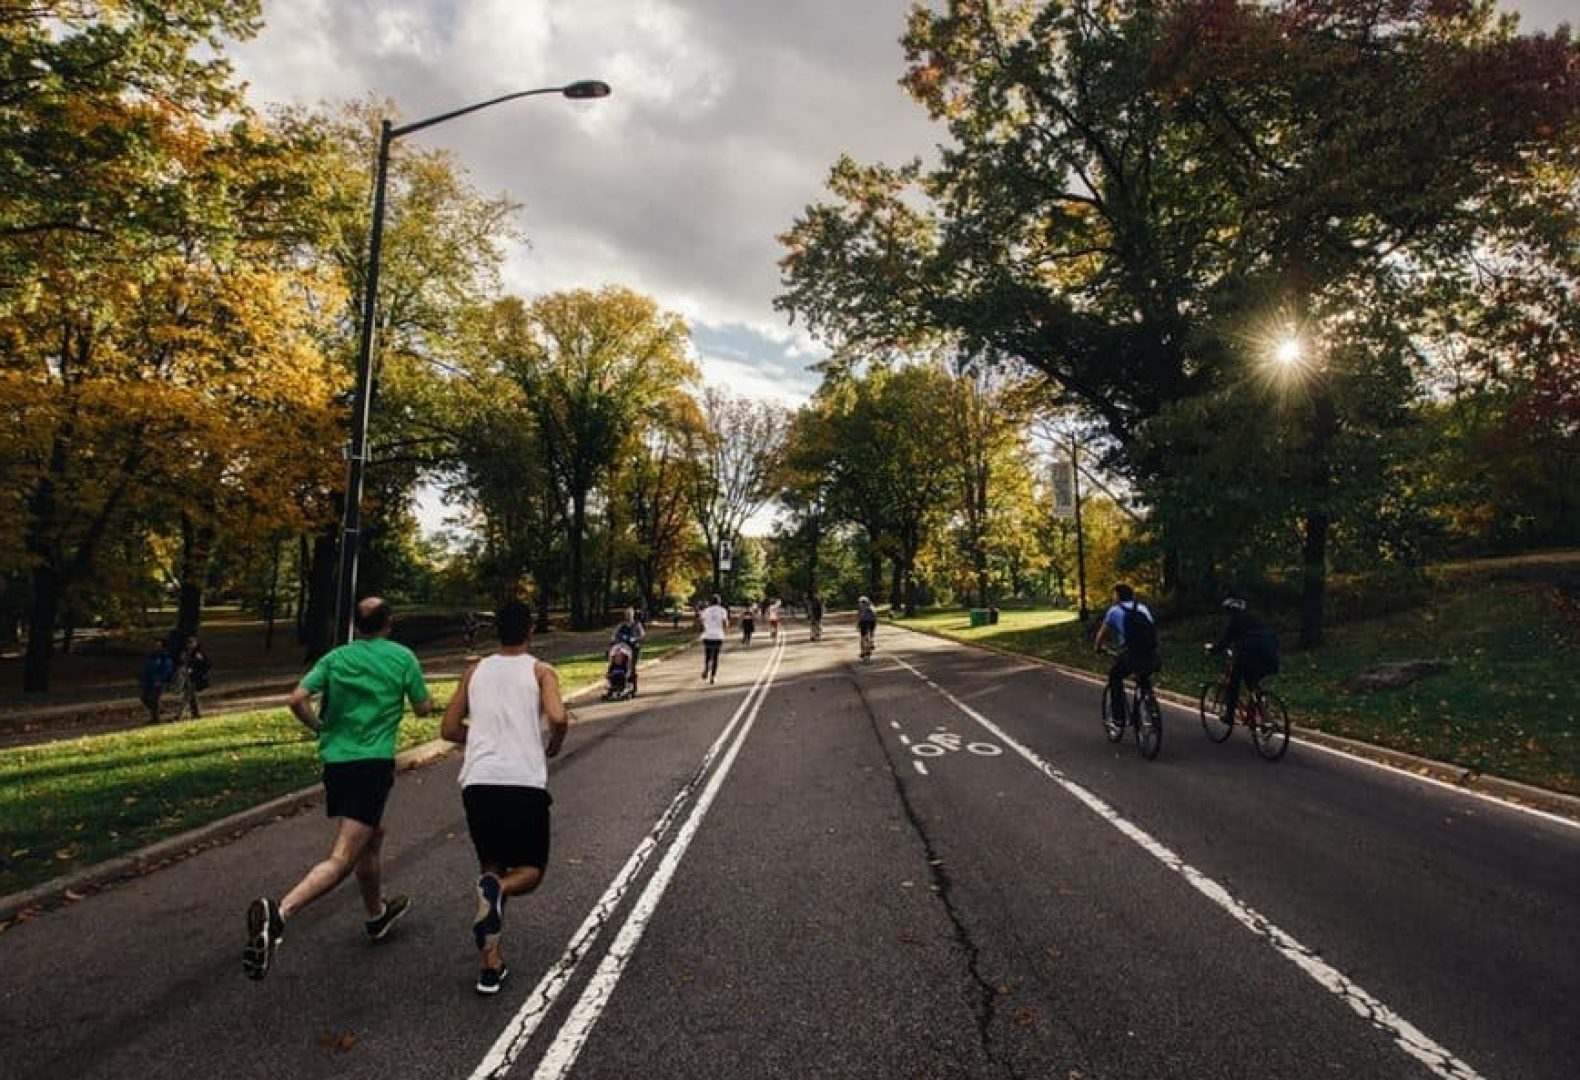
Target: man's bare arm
552 706
451 727
301 705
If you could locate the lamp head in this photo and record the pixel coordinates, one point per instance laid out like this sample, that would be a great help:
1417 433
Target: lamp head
586 88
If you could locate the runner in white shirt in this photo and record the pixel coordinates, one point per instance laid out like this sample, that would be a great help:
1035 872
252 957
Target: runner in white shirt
504 777
715 617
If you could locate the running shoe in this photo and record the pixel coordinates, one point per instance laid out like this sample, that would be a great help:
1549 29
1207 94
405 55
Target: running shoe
394 907
265 931
489 980
490 914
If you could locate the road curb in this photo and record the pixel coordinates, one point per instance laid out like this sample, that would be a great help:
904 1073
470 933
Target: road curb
1495 787
77 885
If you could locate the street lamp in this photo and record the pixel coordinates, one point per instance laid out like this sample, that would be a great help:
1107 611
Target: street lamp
351 532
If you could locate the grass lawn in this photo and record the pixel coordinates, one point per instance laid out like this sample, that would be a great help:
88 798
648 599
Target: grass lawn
1507 704
76 802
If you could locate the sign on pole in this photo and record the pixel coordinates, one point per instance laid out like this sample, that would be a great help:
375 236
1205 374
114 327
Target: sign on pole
1063 488
726 552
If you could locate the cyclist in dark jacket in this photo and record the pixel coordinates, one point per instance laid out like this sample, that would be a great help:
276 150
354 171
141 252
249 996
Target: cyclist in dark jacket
1255 648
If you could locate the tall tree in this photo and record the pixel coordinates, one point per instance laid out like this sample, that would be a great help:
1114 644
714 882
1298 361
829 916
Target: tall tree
133 274
738 452
1133 190
595 369
443 246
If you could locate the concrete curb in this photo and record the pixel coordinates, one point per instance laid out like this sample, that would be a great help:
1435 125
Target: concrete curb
1495 787
77 885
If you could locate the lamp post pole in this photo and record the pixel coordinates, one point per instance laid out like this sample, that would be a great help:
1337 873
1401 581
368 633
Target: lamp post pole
362 402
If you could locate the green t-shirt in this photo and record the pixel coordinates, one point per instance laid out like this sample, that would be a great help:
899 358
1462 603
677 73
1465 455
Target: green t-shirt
365 684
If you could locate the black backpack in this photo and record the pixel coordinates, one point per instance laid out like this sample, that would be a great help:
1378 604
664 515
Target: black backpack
1141 635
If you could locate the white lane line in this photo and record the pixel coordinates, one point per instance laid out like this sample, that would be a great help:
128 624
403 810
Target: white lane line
573 1034
920 767
1397 770
1361 759
1439 1060
519 1031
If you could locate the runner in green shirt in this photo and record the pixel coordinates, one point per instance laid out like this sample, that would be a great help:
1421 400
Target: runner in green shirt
363 687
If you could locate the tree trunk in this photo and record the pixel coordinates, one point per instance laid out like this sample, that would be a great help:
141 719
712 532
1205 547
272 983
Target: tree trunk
196 550
42 615
319 631
578 531
1314 580
1314 554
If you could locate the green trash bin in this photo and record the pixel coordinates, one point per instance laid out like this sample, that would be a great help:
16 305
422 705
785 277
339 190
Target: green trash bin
979 616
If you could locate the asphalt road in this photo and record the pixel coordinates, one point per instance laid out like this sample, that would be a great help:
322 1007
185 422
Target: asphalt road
930 865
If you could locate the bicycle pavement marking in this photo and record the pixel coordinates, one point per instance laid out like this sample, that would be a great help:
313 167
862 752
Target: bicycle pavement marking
1413 1041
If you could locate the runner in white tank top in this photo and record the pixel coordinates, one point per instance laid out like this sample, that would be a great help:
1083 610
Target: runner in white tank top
504 777
504 742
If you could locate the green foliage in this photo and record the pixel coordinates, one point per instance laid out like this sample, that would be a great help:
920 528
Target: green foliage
1140 201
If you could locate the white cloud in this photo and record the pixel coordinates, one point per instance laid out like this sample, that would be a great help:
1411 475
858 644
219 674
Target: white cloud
724 121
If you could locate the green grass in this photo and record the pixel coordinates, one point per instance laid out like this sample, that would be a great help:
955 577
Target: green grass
76 802
1507 704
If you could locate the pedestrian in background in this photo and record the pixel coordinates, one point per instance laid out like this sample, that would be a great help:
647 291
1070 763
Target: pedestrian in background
363 687
715 617
504 777
158 667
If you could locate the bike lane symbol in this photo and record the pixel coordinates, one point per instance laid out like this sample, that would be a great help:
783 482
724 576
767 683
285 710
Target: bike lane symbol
940 743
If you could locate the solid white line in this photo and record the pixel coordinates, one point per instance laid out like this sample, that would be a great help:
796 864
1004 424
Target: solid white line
920 767
1398 770
573 1034
1406 1035
1362 759
519 1031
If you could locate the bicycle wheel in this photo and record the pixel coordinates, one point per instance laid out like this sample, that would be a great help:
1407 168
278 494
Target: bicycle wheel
1270 726
1213 721
1149 726
173 702
1113 729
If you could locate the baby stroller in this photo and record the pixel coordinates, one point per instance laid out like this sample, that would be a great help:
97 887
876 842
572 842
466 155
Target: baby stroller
619 679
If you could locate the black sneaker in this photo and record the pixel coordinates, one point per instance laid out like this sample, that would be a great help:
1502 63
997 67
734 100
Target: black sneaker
490 914
489 980
394 908
265 931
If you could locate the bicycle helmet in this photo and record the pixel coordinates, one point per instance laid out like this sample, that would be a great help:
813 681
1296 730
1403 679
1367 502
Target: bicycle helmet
1233 603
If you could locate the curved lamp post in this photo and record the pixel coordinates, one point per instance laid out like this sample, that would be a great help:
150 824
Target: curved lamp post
351 532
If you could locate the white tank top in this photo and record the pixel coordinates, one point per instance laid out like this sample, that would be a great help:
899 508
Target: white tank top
504 744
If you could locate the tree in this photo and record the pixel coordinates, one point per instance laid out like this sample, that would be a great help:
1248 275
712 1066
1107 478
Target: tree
595 370
443 246
1133 192
140 285
737 451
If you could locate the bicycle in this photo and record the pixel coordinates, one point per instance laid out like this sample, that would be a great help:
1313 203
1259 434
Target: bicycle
1143 716
1259 709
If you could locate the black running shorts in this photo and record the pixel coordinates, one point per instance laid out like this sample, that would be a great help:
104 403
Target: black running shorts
358 789
509 825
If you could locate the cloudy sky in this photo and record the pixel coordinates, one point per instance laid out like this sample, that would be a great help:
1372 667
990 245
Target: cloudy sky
725 118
